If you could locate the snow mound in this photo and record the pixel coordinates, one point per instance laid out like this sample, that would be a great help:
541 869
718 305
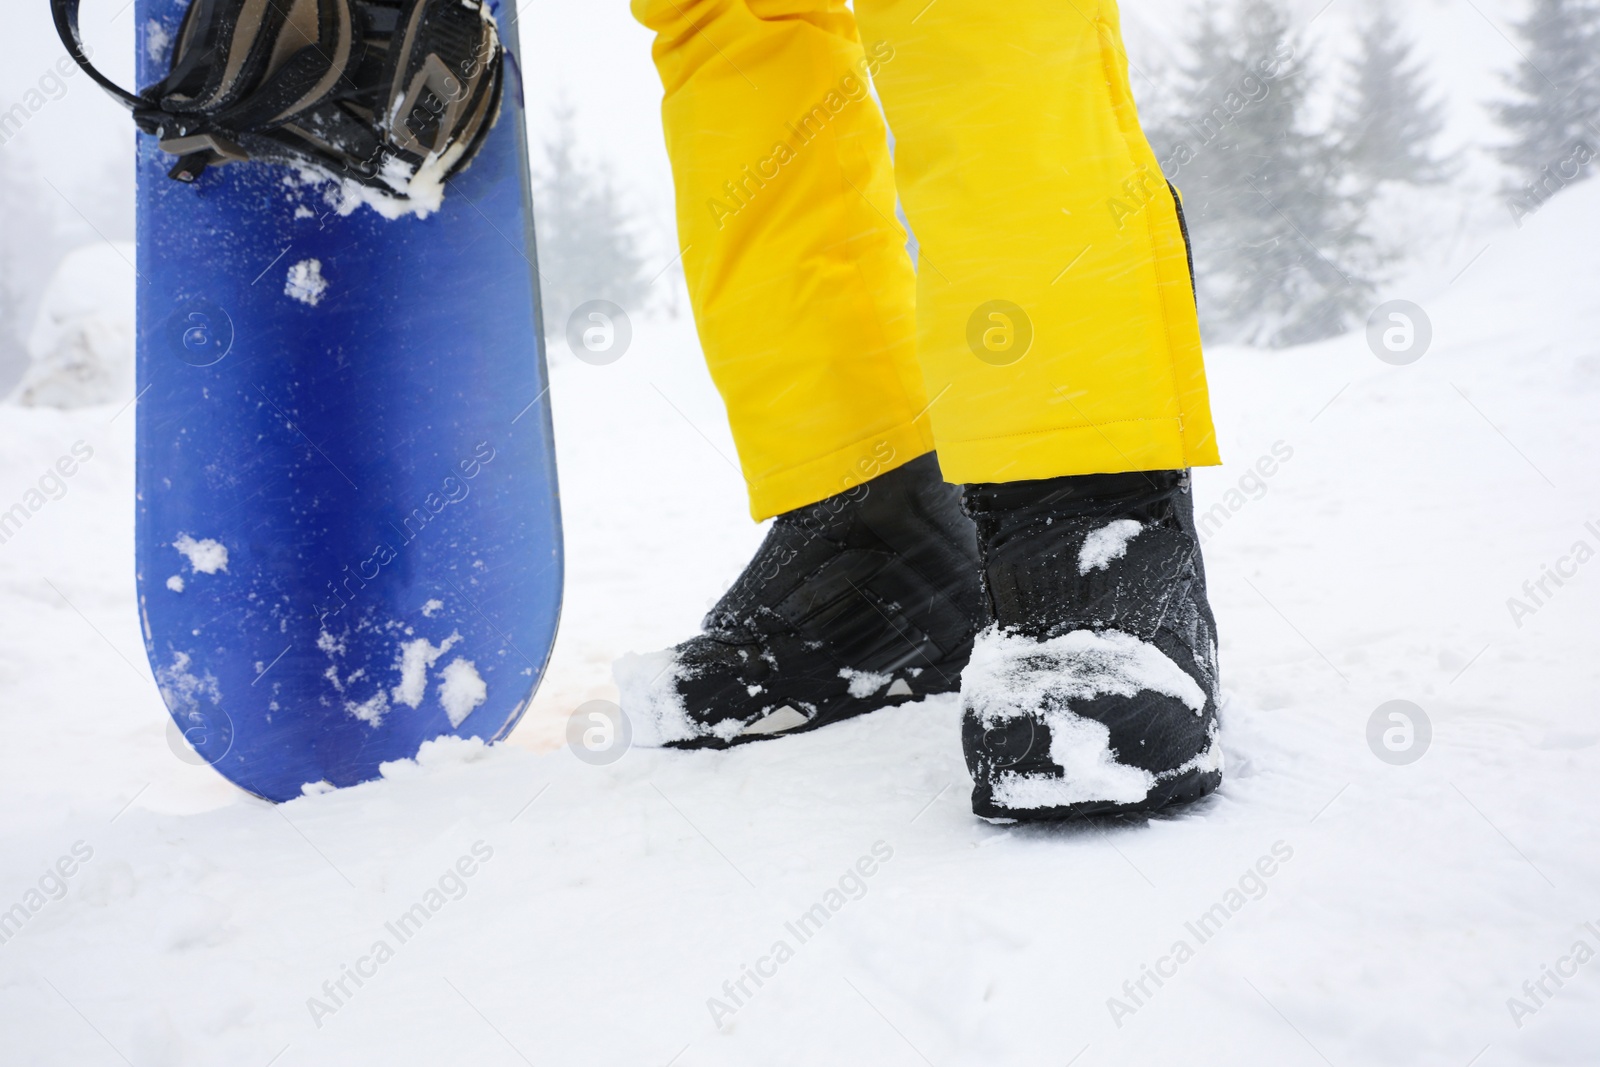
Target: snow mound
81 346
1011 676
444 751
648 685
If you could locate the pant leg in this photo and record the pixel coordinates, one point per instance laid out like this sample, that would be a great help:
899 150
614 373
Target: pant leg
1027 180
802 290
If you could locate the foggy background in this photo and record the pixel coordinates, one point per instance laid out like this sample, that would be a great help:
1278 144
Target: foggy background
1327 152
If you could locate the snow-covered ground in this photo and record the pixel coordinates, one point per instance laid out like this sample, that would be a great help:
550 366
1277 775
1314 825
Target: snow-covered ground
611 911
1365 544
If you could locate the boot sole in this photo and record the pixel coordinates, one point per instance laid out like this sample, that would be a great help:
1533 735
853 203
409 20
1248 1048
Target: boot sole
1173 792
837 707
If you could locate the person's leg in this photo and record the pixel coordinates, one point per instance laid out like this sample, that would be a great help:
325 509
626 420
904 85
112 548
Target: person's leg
1058 333
800 283
1028 182
866 590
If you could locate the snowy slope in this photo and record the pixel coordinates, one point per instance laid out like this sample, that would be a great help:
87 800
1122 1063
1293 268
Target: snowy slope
607 906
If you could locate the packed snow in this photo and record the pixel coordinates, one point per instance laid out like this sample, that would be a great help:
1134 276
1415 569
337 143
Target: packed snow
1011 675
205 555
1426 533
156 41
305 282
648 682
863 684
415 659
1106 544
461 688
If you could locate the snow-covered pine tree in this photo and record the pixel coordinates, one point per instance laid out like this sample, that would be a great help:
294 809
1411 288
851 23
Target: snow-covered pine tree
1275 237
1391 119
1554 118
588 245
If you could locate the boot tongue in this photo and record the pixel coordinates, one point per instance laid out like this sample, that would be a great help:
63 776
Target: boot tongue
1106 552
1087 494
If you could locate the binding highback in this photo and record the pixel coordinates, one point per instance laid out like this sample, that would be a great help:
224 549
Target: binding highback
374 90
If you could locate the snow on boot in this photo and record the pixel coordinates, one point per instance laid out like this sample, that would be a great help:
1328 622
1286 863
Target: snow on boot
865 599
1094 688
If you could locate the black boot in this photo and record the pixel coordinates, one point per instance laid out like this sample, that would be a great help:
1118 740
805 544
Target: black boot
1094 689
865 599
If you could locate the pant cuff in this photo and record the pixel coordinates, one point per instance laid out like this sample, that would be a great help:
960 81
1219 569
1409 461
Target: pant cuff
817 479
1109 448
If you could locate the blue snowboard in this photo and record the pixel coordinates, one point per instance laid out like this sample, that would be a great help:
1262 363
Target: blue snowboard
349 536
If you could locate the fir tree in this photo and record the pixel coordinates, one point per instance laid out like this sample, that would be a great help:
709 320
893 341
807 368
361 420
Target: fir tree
1275 239
588 249
1554 120
1391 121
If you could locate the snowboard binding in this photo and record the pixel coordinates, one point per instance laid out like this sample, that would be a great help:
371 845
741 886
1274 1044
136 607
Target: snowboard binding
384 92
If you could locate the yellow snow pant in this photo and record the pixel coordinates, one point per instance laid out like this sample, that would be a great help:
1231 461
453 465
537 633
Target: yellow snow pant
1049 326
